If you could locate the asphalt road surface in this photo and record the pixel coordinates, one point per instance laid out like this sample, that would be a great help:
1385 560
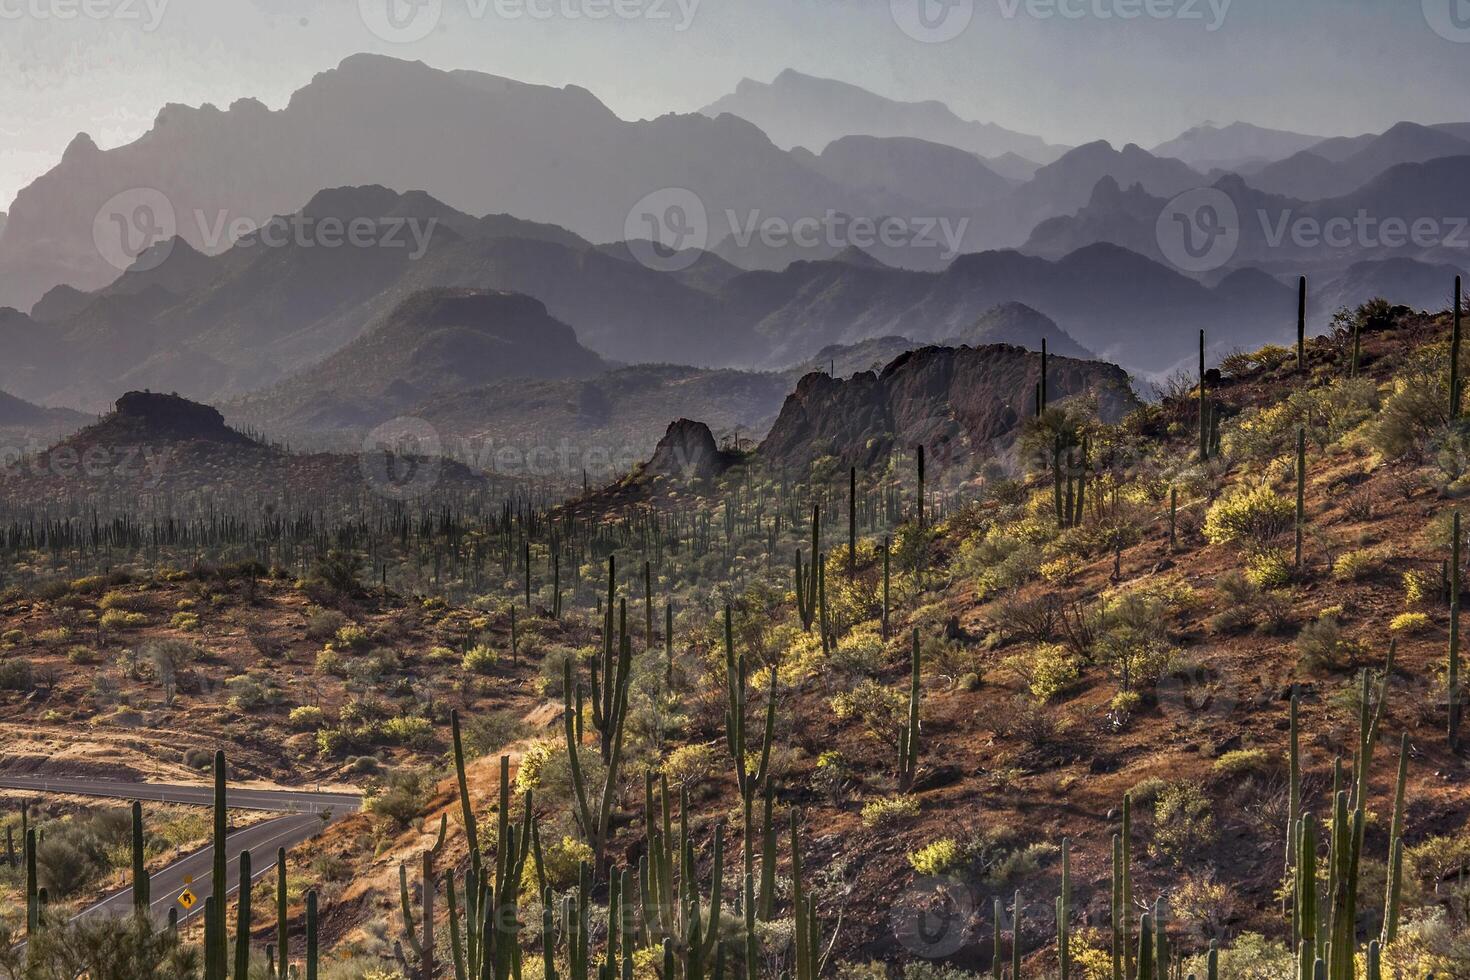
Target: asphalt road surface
305 816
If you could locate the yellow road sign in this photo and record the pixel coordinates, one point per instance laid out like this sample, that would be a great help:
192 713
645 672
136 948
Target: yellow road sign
187 899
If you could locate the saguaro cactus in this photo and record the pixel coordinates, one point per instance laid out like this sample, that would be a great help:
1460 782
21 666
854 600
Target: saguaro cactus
242 920
1204 411
140 871
283 928
1452 679
1455 342
1301 490
908 742
1301 324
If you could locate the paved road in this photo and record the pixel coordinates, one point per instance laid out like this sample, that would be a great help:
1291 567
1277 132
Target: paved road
303 820
274 801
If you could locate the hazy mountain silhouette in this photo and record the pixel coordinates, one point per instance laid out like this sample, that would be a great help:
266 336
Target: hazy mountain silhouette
1209 147
435 342
1324 171
800 110
497 146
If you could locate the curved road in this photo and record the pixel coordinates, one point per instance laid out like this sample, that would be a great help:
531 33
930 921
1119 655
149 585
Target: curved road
306 815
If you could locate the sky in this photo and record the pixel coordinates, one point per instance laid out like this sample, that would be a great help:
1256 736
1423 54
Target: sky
1068 70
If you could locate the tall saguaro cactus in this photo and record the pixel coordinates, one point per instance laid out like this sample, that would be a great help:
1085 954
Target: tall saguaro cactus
1301 490
908 743
1455 340
141 894
1204 408
1452 679
1301 324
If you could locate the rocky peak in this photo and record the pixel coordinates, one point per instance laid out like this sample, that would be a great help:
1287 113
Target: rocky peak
688 452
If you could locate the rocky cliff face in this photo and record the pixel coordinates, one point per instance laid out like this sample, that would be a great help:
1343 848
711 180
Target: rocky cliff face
964 405
688 452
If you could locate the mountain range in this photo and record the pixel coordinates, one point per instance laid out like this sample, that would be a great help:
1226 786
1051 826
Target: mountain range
245 320
799 152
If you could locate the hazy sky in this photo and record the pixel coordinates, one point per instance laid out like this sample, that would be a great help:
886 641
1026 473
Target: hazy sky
1068 70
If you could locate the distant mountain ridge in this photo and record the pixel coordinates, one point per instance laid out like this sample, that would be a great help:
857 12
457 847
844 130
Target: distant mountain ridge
1210 147
795 109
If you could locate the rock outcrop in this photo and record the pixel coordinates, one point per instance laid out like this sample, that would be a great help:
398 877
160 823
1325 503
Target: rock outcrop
688 452
965 405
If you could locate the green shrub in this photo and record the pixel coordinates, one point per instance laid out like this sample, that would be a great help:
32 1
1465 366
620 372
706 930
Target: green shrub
891 811
401 795
1421 587
1047 670
1184 822
185 621
15 674
1270 569
118 599
121 619
1249 516
306 718
689 765
1410 622
882 711
1243 762
408 730
83 656
1321 645
562 862
323 624
1354 565
490 731
352 637
936 858
480 659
